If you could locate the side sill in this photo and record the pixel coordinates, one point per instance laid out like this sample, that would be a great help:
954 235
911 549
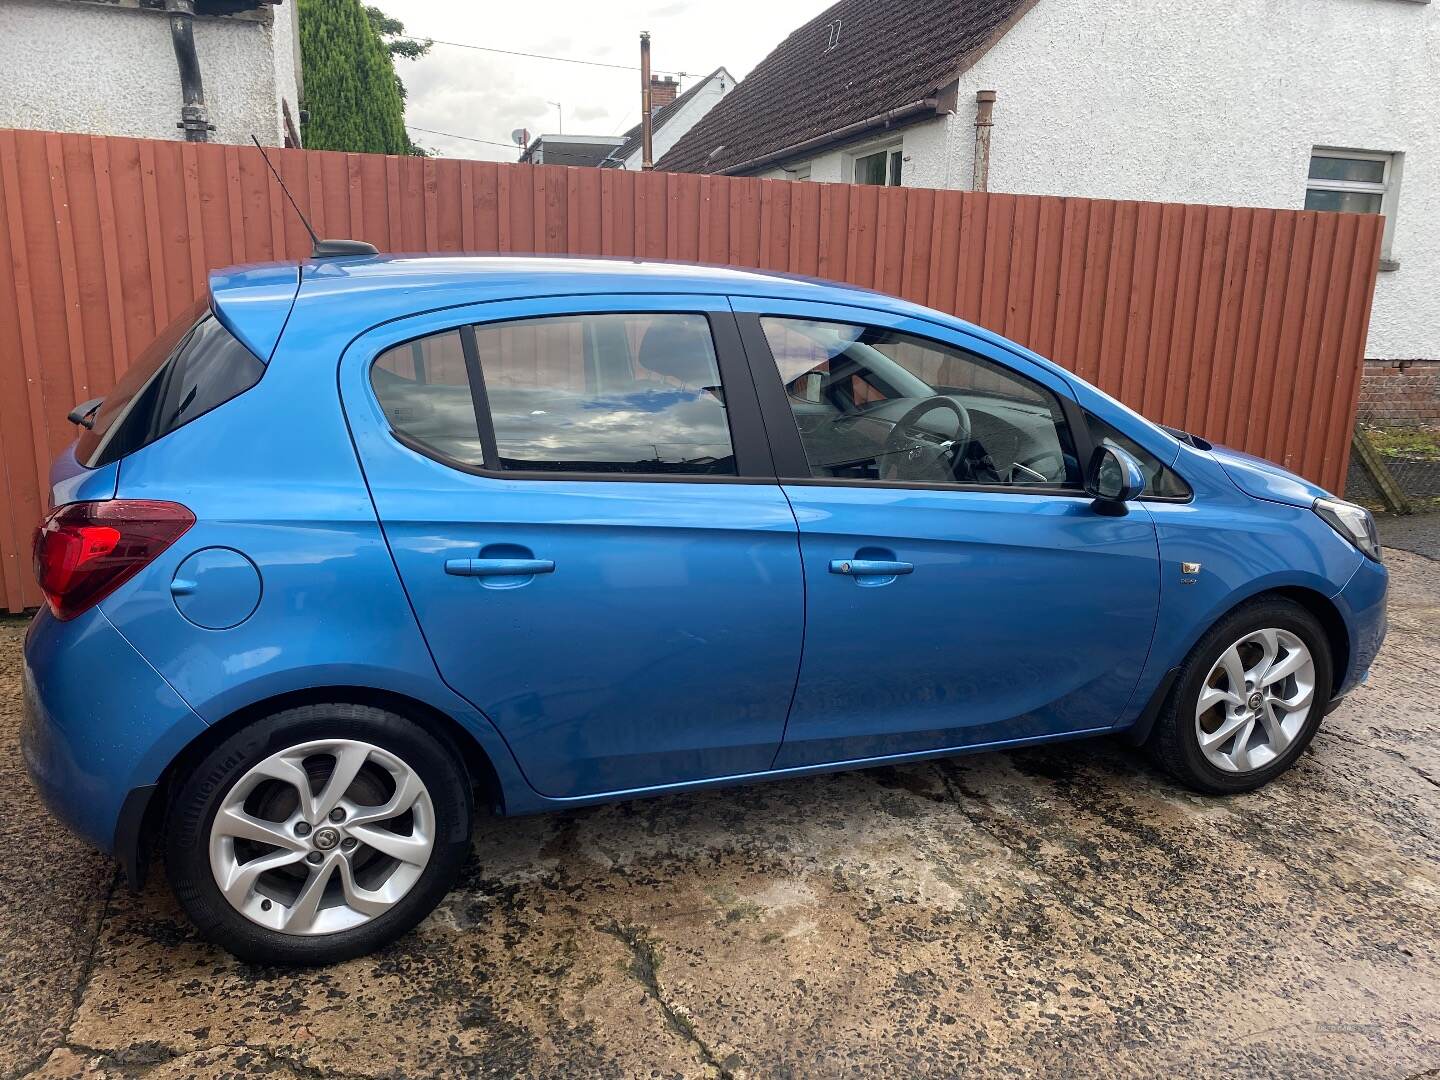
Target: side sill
540 804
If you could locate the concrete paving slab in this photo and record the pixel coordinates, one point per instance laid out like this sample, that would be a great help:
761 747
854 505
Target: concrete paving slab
1053 911
52 891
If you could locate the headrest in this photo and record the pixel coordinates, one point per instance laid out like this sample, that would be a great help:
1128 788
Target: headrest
680 346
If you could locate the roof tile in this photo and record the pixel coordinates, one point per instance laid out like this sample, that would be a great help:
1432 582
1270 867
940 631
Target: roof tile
855 60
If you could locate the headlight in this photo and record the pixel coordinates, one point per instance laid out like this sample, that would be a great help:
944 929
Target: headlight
1352 522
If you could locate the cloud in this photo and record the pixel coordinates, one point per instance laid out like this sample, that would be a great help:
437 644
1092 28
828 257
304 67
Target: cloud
486 95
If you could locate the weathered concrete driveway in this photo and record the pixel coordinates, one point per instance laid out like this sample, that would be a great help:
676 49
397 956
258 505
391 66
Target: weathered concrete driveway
1060 911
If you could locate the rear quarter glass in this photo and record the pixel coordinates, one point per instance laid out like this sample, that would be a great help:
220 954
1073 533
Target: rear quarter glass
195 365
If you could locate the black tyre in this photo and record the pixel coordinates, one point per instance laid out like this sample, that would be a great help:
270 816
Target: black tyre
1248 699
318 833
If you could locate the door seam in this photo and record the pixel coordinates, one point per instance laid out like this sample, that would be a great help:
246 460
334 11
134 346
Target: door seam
804 626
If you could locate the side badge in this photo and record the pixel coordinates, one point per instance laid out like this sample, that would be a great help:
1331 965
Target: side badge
1188 572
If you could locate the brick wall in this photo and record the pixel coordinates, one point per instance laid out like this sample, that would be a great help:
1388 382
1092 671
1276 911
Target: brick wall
1401 393
662 92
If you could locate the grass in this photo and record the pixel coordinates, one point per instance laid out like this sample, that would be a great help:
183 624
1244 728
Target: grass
1409 444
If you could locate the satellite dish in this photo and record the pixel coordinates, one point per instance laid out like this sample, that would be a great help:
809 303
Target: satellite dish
520 136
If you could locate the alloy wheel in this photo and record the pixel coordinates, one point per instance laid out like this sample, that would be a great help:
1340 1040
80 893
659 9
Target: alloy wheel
1255 700
322 837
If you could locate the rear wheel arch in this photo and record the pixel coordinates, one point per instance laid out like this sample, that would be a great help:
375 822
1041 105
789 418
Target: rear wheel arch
138 839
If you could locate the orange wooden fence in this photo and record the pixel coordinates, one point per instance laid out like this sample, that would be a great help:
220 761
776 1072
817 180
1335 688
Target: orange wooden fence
1246 326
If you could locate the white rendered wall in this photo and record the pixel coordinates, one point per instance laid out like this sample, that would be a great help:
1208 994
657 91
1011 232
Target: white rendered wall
1223 103
1211 102
111 71
689 114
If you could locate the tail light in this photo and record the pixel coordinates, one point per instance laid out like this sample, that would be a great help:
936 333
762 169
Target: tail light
84 551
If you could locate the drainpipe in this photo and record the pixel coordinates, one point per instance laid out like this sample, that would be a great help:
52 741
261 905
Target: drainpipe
984 107
194 118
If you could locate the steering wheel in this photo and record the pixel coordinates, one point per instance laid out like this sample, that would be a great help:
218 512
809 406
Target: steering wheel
1038 468
923 459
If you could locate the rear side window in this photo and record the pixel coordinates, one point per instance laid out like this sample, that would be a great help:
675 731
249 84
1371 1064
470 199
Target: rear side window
605 393
424 388
194 366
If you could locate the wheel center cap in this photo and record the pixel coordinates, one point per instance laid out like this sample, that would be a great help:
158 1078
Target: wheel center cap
326 838
1255 702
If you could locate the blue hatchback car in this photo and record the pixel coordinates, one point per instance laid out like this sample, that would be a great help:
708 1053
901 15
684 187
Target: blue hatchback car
360 542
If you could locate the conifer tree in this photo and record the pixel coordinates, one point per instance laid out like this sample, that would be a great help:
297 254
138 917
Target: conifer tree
352 95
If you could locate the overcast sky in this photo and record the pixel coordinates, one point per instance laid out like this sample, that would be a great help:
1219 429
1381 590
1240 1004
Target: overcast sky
486 96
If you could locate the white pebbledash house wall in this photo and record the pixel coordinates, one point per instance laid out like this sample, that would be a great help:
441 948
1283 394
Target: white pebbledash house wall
1222 103
108 68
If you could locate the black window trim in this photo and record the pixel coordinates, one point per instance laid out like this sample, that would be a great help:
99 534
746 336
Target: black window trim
753 461
159 381
1189 495
793 467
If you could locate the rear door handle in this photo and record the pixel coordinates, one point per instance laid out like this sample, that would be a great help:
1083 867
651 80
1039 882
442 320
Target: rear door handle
499 567
870 567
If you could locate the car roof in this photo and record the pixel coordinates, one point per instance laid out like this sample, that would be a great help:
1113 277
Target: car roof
395 286
480 278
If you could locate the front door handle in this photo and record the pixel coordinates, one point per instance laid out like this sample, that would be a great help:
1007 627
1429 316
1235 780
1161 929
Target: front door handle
870 567
483 568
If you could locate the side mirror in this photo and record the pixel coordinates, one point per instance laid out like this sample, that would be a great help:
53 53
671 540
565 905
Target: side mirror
1114 478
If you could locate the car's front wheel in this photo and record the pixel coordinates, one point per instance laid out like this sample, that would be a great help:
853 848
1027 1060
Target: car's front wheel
1248 699
318 833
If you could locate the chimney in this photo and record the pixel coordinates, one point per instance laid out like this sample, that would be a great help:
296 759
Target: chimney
662 92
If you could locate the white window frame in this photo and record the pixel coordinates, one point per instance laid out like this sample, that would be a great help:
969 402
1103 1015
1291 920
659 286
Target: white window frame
1388 189
888 147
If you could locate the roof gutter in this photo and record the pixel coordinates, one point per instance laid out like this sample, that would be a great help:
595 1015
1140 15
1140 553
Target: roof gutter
889 118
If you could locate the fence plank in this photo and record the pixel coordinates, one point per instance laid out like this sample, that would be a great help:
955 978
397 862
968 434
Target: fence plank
1243 325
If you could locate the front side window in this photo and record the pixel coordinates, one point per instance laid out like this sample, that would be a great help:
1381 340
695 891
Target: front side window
875 404
1356 182
608 393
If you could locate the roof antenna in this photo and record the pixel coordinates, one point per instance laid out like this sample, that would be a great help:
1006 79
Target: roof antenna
319 249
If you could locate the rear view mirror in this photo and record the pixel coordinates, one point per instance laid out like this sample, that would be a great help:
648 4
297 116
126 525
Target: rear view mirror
1114 477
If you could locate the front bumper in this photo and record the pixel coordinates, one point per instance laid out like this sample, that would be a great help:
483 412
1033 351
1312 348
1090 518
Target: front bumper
1362 606
99 723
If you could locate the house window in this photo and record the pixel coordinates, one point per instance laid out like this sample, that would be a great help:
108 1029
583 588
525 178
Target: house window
881 167
1356 182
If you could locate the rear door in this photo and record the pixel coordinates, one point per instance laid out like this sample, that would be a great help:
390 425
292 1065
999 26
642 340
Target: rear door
961 588
583 510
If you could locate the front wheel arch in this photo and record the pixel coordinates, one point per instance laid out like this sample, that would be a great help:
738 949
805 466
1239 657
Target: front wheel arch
1330 619
1313 601
1173 742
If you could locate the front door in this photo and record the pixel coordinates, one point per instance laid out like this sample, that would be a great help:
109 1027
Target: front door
961 590
579 508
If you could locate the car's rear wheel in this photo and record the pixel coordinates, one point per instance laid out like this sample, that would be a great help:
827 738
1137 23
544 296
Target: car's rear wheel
318 833
1248 699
